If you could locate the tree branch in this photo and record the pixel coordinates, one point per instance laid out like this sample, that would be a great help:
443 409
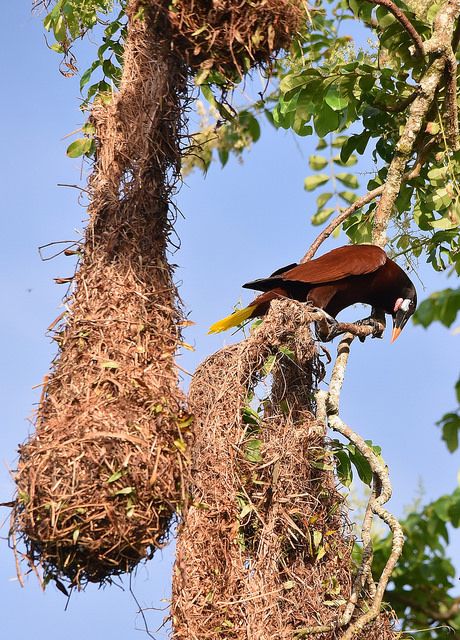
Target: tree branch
404 149
332 226
381 493
440 44
413 173
452 134
405 22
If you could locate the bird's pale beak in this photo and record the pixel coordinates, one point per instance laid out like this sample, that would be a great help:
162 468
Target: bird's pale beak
399 321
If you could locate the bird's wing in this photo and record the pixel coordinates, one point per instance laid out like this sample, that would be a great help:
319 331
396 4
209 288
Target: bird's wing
351 260
266 284
284 269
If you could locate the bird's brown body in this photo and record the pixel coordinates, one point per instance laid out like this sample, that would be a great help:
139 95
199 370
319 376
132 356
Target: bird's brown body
338 279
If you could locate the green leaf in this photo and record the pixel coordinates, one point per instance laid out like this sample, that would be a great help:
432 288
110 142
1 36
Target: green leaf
344 470
251 124
252 450
322 215
339 141
325 120
323 198
180 445
450 424
438 176
79 147
320 553
301 128
321 465
442 306
312 182
268 365
362 467
336 98
59 29
115 476
48 21
454 513
287 352
317 537
245 511
317 162
352 160
126 491
249 416
348 179
348 196
292 81
201 76
355 143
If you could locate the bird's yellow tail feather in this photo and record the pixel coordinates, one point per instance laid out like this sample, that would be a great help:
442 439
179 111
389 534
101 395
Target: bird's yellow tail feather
233 320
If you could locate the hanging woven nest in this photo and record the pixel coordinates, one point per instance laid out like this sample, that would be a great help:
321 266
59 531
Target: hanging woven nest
266 519
101 478
232 37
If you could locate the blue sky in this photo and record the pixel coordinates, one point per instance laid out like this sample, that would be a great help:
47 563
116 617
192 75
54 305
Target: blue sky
239 223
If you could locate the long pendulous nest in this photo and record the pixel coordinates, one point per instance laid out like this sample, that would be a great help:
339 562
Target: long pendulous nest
231 37
265 549
100 479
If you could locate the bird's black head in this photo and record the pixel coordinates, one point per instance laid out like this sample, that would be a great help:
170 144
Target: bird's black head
404 307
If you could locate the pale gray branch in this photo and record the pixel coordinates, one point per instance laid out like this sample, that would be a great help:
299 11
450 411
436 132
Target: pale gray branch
328 403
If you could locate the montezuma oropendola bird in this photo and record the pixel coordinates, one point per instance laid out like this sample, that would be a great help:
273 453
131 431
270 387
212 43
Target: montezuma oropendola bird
338 279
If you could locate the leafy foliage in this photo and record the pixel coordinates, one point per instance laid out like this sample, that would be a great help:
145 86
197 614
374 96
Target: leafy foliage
348 456
442 306
419 592
70 20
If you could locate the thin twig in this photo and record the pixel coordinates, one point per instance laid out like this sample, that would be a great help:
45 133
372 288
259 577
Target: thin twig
72 186
140 609
405 22
413 173
357 204
441 616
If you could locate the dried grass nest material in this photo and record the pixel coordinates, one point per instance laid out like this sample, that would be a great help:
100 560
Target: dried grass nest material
100 480
231 37
265 546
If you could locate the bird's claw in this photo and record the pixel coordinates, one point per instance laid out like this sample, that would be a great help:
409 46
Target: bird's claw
378 327
326 329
